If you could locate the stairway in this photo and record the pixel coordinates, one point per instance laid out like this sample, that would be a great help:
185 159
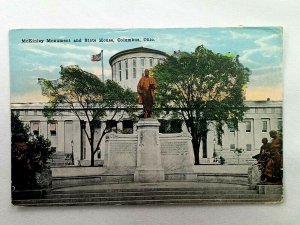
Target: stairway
142 196
60 159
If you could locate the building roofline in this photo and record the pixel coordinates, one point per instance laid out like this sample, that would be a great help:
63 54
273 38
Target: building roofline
136 50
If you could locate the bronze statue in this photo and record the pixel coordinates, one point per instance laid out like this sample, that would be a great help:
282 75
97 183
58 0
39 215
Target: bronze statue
146 88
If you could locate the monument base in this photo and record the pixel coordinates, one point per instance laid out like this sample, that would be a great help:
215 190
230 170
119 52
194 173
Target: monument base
149 176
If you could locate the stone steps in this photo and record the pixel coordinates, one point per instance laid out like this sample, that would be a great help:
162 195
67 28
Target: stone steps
59 159
151 196
181 201
146 193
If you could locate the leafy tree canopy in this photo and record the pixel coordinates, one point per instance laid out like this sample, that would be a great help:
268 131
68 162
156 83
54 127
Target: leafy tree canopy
29 154
88 98
203 86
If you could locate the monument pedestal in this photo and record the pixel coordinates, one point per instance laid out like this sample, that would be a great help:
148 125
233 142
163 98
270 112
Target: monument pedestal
149 166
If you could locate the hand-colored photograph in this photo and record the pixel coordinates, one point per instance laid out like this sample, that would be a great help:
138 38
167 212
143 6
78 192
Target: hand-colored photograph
146 116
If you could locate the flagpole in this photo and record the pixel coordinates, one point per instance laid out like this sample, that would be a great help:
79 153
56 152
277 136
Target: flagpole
102 65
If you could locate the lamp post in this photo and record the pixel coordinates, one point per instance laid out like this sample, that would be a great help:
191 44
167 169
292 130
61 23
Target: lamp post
72 145
215 154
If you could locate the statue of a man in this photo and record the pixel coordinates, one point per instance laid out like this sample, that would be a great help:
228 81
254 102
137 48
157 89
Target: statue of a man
146 88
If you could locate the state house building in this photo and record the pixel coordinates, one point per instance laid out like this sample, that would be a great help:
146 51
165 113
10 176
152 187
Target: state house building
66 134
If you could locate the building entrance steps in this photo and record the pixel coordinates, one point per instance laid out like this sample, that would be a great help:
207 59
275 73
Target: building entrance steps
152 193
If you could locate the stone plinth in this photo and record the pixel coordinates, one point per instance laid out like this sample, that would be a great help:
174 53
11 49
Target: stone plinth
149 165
176 153
270 189
120 154
254 175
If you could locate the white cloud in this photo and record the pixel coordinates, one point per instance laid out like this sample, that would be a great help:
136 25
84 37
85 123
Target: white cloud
46 50
97 70
72 47
169 41
35 50
239 35
48 68
263 47
267 76
76 56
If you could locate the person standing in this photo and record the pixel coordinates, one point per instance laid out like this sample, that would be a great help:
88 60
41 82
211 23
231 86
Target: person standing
146 88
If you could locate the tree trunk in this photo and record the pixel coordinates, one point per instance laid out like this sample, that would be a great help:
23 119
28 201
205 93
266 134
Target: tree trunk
204 144
92 158
92 149
196 150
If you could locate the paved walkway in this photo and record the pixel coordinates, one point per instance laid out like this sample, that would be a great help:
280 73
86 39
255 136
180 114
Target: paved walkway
150 185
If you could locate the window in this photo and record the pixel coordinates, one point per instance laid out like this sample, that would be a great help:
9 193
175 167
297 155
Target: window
35 128
151 62
120 71
126 71
134 72
52 128
264 126
134 68
230 127
232 147
127 126
114 72
248 147
248 126
279 125
111 125
142 65
176 126
84 153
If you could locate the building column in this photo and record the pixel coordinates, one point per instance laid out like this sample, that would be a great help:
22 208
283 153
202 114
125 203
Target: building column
61 136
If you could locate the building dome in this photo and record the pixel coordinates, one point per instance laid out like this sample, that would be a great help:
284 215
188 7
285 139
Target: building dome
128 66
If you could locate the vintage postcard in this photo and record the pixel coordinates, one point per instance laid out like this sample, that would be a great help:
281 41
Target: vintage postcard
146 116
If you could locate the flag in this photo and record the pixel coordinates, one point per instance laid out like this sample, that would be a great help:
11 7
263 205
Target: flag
96 58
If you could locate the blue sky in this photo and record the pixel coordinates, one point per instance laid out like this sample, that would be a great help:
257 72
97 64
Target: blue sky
260 49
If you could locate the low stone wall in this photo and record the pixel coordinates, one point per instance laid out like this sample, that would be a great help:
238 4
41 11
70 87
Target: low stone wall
222 169
74 176
270 189
176 152
77 171
120 151
223 178
69 176
60 182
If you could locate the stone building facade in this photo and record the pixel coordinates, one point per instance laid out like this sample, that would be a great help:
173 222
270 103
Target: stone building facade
66 134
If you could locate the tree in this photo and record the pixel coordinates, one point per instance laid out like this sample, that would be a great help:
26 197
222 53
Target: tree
89 99
29 154
203 88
